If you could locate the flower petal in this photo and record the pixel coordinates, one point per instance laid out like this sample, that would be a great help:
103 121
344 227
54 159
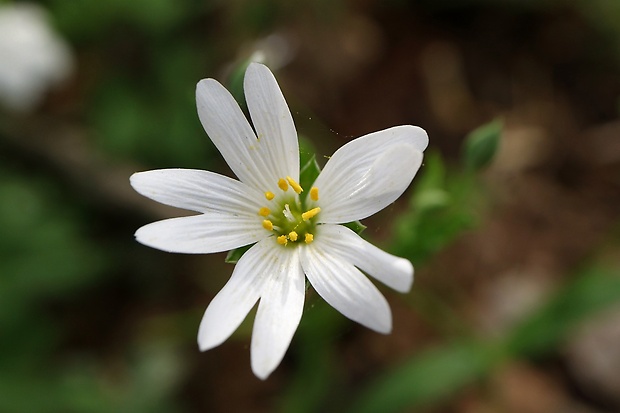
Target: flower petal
233 303
369 173
232 134
393 271
202 234
199 191
345 288
272 121
279 311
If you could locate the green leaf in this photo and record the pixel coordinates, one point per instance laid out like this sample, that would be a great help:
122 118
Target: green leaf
481 144
443 205
306 149
234 255
430 193
356 226
429 377
308 174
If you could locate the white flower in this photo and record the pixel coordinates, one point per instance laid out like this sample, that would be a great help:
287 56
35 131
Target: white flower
294 235
32 56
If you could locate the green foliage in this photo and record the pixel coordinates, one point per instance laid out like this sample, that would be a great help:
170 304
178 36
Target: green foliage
481 145
595 289
149 119
44 256
320 326
233 256
427 377
442 205
42 248
48 260
91 19
308 173
143 79
356 226
83 387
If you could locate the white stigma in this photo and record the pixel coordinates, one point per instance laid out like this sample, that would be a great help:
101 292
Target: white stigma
287 213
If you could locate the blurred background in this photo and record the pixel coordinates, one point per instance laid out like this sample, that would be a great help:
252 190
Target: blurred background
513 222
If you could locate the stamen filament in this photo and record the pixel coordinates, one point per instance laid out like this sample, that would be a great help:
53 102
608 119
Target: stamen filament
296 187
264 211
282 184
269 195
314 193
311 213
268 225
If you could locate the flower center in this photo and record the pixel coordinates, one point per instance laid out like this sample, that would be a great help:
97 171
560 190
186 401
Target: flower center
287 216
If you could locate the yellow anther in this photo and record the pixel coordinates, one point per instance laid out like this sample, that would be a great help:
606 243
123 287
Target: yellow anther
314 193
282 184
309 214
269 195
296 187
264 211
309 238
282 240
268 225
292 236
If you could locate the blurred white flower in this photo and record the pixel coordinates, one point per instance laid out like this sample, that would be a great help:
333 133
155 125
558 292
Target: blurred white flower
293 235
32 56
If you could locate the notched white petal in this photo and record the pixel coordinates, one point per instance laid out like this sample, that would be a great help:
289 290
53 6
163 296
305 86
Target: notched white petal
345 288
201 234
232 304
370 172
279 311
393 271
231 133
197 190
277 137
354 188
